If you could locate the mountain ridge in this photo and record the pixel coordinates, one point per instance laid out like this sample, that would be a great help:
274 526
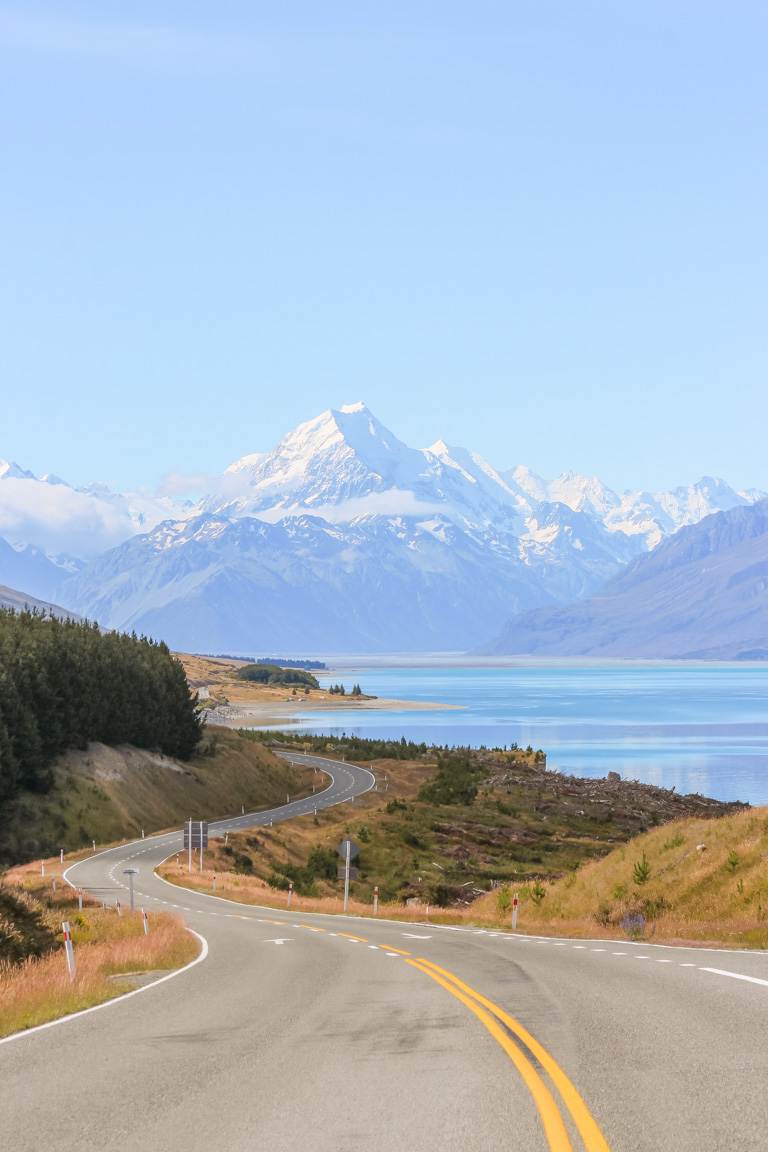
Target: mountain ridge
702 594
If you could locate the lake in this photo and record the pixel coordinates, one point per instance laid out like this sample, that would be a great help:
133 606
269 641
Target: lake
698 727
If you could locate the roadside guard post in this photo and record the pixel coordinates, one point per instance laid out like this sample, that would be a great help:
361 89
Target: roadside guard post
68 948
376 900
515 903
145 920
290 892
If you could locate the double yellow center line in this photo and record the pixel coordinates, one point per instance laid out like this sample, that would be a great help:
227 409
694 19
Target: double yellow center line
524 1050
500 1024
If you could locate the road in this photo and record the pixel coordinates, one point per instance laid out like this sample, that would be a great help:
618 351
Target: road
329 1033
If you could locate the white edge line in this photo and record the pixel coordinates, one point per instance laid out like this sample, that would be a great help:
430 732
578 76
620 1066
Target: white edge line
736 976
115 999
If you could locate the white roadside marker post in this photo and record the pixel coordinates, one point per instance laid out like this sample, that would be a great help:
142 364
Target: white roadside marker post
94 845
515 902
42 867
142 833
201 845
145 920
70 952
376 900
347 857
214 883
80 899
53 884
242 809
290 892
226 839
119 909
190 845
61 855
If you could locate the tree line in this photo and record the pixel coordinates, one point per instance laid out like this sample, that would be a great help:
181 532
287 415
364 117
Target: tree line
65 682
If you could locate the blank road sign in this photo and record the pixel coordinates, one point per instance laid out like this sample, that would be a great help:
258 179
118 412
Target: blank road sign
199 833
354 849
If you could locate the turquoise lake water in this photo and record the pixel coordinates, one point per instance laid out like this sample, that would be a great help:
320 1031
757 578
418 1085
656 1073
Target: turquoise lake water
700 727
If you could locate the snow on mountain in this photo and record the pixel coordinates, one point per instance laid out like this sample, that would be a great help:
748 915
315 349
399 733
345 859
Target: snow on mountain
49 514
649 516
303 583
341 537
701 594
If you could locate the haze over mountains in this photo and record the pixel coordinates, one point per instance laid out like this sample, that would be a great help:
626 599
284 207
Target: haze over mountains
342 538
702 594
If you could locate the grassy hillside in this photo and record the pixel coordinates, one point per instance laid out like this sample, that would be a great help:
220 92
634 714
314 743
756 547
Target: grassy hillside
445 828
700 880
107 794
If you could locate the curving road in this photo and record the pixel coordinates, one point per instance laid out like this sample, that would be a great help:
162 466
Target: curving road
327 1033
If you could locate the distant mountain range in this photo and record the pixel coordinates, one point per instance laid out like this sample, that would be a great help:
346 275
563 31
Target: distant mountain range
702 594
342 538
21 602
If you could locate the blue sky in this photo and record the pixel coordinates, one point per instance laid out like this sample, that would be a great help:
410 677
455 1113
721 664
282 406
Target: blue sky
535 229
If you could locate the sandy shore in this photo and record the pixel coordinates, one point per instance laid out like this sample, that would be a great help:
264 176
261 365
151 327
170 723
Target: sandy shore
288 711
239 703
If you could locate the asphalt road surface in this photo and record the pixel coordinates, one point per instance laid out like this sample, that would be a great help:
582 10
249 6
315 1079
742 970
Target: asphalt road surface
328 1033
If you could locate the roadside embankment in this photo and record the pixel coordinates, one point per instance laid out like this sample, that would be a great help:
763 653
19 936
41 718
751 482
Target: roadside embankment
112 952
695 881
109 794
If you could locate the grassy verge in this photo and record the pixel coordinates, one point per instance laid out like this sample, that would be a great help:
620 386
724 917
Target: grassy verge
34 982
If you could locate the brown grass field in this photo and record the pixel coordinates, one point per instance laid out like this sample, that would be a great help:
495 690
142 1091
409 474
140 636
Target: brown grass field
106 945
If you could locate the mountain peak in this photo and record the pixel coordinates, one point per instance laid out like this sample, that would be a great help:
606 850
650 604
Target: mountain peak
10 470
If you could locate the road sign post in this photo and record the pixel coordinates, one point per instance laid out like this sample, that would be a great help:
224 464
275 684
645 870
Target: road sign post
515 903
130 873
347 850
346 874
195 836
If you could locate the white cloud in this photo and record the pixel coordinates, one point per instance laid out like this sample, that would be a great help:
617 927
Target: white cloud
58 518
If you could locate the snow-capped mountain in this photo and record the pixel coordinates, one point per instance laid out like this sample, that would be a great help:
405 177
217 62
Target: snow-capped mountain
304 583
648 515
345 463
341 537
49 514
703 593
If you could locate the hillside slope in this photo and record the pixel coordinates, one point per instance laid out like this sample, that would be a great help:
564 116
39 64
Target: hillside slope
107 794
703 593
706 881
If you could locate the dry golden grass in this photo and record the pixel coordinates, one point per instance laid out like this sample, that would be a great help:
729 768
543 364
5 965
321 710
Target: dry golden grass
39 989
252 890
715 894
